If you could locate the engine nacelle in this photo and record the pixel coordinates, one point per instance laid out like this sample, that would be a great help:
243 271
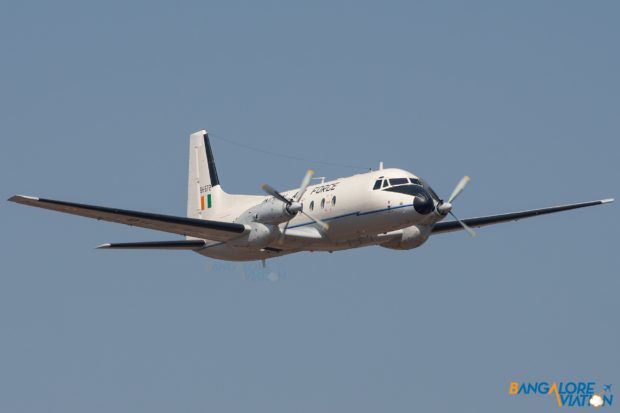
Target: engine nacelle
260 236
412 237
270 211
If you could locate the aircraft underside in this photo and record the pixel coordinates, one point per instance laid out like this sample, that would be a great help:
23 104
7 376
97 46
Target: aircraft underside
227 252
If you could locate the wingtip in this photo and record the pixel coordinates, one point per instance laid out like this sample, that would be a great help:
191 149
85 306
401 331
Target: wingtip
607 201
20 198
103 246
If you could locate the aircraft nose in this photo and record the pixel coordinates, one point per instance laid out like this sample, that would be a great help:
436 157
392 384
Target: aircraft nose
423 202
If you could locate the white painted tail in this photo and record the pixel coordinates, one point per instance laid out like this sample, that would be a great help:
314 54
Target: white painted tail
205 197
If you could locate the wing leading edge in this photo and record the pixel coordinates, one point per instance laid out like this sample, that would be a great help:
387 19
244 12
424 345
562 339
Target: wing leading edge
512 216
157 245
199 228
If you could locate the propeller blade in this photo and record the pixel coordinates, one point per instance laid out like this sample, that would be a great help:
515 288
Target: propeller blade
281 237
470 231
324 226
459 187
275 193
304 184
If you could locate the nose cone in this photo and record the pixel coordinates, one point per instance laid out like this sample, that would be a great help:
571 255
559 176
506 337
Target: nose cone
423 202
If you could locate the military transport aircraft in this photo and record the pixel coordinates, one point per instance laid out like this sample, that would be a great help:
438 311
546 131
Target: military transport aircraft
388 207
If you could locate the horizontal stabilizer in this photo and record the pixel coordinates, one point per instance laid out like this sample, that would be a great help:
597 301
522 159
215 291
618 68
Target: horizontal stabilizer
156 245
512 216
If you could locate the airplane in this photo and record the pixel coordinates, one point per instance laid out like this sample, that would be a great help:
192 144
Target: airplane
388 207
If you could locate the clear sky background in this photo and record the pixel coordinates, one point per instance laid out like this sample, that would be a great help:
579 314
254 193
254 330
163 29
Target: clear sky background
97 103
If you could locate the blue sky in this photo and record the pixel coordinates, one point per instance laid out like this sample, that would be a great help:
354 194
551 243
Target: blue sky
97 104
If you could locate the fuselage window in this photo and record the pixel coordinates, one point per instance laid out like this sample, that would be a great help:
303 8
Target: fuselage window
377 184
311 205
398 181
323 203
334 200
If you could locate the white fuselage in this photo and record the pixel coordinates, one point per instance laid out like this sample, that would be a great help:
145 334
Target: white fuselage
358 215
391 208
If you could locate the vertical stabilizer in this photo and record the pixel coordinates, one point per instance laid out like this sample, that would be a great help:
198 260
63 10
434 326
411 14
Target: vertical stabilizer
205 196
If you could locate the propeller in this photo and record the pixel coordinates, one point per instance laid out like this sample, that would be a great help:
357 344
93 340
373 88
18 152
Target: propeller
293 206
446 207
459 188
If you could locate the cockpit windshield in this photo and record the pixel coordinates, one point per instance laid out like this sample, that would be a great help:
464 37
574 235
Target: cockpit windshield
383 183
398 181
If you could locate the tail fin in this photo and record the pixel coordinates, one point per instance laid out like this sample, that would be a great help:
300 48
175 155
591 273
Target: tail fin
204 192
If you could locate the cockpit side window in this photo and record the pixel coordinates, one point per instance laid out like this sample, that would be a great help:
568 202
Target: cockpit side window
385 183
377 184
415 181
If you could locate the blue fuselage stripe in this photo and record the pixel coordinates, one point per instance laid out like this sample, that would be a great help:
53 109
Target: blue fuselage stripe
358 213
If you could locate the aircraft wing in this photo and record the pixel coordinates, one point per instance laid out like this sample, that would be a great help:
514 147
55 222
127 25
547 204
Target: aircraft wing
199 228
512 216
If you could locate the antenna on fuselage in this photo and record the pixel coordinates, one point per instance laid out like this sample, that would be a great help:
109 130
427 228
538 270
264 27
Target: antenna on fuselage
380 165
322 178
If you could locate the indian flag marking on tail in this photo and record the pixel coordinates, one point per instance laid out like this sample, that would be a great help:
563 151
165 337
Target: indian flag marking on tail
202 201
